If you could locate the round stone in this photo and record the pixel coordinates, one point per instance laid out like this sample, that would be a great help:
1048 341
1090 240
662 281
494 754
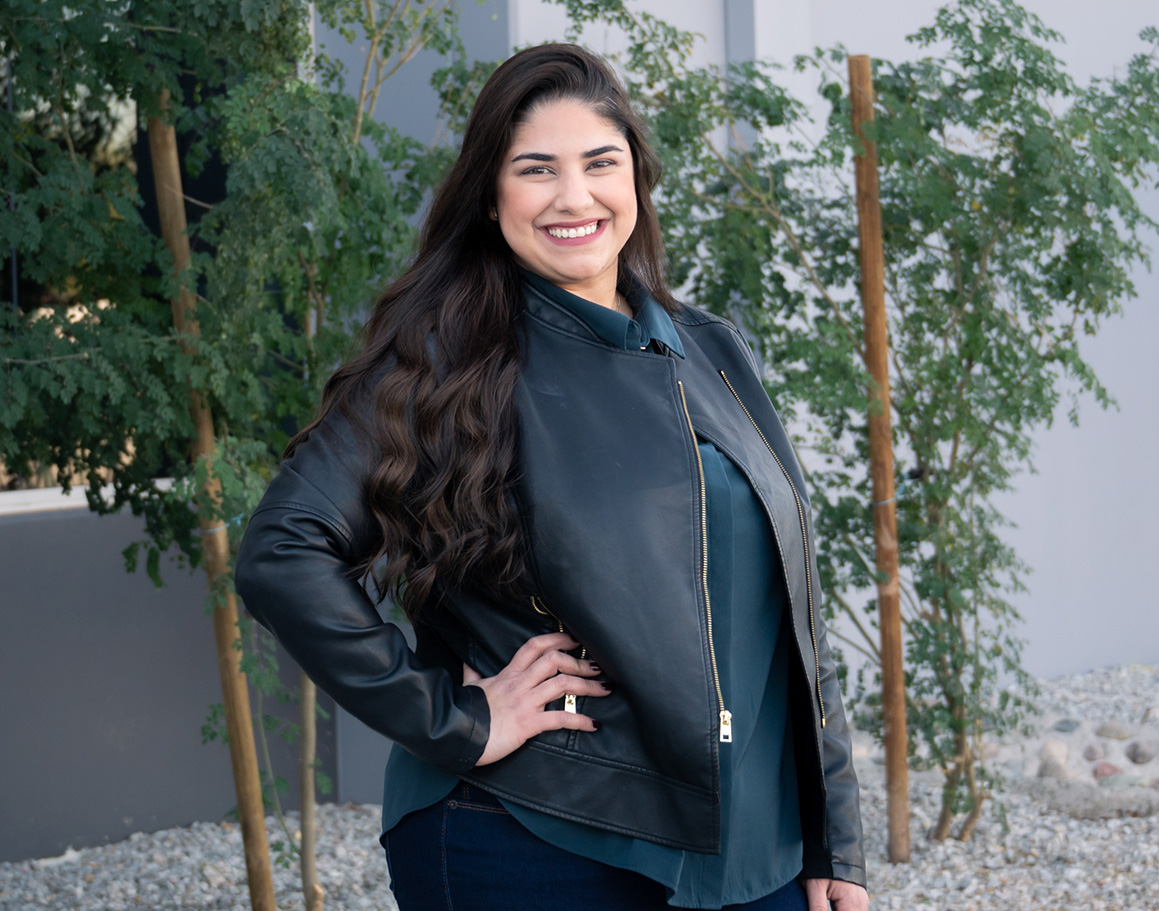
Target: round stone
1053 749
1141 752
1106 770
1095 752
1119 781
1051 768
1066 725
1113 730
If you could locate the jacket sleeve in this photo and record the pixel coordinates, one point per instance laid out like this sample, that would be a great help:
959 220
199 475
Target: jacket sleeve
295 574
841 855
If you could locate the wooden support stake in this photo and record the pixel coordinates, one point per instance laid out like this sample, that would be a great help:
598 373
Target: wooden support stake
215 539
881 464
311 889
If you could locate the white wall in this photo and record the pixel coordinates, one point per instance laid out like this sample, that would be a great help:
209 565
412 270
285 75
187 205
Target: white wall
1087 519
534 21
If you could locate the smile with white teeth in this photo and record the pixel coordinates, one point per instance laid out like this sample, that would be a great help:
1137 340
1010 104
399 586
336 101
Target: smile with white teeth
574 232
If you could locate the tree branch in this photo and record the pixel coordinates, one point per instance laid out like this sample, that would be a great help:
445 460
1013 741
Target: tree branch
46 360
769 206
847 609
374 34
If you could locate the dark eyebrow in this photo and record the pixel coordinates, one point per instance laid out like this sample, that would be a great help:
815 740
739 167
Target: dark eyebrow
539 156
602 150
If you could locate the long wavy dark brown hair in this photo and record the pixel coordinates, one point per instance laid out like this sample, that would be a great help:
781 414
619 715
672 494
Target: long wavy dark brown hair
440 354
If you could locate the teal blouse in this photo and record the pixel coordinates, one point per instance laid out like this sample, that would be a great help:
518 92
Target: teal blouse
760 820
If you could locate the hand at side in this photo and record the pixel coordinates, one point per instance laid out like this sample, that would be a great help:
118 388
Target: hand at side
843 896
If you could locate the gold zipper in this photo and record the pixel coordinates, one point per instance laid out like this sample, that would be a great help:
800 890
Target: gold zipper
725 714
570 702
804 539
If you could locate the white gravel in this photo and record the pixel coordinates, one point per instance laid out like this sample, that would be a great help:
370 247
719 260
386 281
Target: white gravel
1041 860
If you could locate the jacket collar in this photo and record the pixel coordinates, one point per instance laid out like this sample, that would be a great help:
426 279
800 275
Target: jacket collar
650 321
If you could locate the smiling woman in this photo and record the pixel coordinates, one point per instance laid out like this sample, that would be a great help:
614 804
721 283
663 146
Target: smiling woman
621 694
565 212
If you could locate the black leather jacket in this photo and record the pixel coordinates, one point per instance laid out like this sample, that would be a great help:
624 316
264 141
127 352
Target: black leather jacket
612 497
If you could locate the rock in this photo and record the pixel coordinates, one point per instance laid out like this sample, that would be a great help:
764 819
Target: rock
1013 768
1113 730
1066 725
213 876
1079 800
1052 768
1106 770
1142 751
1095 752
1154 783
1053 750
1120 781
990 750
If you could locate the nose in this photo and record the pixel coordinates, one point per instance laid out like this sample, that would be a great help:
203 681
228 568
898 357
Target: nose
573 194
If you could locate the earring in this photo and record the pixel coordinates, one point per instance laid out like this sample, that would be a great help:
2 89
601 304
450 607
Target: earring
494 213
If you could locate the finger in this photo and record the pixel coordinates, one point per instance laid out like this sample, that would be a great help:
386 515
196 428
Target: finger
470 675
559 685
535 647
848 896
554 721
549 664
581 666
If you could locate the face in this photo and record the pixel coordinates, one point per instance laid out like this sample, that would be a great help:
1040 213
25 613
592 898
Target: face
566 198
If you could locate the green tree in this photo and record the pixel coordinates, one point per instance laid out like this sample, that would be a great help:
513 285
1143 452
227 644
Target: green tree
316 212
1010 229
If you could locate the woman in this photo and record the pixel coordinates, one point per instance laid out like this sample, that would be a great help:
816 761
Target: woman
621 694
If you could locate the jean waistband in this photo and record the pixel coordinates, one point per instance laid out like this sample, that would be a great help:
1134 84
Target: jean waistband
474 794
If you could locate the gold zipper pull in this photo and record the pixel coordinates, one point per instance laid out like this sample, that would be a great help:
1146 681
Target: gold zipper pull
725 726
569 706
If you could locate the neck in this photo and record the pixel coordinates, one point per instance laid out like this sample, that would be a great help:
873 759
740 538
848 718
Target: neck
602 292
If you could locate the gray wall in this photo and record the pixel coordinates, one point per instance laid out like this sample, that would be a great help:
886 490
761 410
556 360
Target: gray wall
106 681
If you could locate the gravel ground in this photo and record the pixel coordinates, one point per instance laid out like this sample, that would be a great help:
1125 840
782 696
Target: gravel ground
1039 860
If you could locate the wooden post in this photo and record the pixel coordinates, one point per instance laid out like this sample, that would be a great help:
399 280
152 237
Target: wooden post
311 889
881 464
215 540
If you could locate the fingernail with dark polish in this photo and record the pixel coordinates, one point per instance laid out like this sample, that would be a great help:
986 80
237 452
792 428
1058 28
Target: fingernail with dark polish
607 685
595 667
597 725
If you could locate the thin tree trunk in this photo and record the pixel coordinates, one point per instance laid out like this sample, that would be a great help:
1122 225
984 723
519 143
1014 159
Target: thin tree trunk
946 817
309 719
881 467
953 778
966 832
307 752
215 540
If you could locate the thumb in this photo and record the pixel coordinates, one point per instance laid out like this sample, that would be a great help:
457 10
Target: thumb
470 675
817 893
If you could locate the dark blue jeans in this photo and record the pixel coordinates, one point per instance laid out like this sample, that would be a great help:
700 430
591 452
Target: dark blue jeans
467 853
